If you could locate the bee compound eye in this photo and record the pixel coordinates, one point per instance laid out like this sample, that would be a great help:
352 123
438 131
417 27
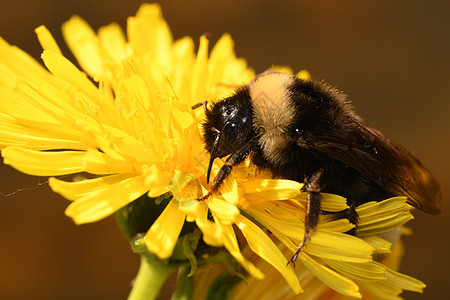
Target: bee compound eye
298 132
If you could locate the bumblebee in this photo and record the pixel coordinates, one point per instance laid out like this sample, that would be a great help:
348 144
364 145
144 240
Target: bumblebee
307 131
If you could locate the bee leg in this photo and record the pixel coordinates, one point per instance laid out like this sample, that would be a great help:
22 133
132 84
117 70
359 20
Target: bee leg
352 216
203 103
312 212
233 160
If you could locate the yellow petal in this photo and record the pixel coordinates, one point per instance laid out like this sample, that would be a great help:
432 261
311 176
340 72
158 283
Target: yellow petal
331 278
149 34
384 226
25 102
303 74
200 72
340 225
290 226
262 245
44 163
83 43
21 64
183 58
282 210
103 202
66 106
37 135
100 163
79 189
329 202
339 246
230 242
404 281
333 203
136 88
381 290
220 56
181 118
384 216
113 41
228 188
64 69
156 180
379 244
272 189
46 39
163 234
223 67
369 271
382 209
223 210
212 231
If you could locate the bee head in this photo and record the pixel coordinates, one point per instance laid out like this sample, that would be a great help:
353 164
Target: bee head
228 125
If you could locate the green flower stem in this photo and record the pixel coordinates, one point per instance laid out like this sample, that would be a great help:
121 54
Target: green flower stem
185 285
151 277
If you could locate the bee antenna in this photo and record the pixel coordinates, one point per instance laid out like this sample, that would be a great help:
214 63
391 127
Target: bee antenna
213 154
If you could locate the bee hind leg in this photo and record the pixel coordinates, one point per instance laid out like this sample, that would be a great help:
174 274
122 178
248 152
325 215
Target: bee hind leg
312 211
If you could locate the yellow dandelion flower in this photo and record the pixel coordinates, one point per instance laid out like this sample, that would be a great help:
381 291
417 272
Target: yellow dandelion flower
135 129
126 119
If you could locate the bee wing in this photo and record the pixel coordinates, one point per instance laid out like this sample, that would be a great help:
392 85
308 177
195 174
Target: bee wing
384 161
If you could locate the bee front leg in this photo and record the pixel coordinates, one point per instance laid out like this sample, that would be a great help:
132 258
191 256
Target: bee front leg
312 212
233 160
203 103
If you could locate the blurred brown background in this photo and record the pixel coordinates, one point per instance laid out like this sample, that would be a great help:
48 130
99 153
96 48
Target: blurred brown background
390 57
